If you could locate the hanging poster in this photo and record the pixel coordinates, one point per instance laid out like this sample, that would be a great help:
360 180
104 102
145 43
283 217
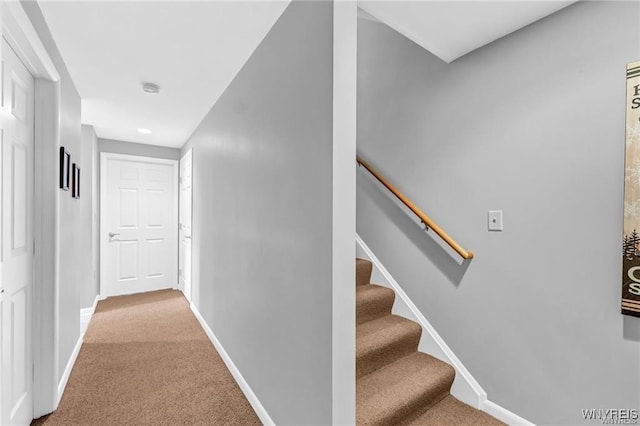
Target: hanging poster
631 239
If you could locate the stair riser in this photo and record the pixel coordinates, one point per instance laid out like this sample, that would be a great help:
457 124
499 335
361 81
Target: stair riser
363 271
405 414
367 310
370 361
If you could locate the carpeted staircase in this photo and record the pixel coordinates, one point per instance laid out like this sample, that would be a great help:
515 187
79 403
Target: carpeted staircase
396 384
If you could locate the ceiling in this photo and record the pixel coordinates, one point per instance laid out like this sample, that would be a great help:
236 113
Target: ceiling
193 50
451 29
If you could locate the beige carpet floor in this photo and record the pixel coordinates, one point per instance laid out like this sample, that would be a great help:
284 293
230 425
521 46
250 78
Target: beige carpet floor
145 360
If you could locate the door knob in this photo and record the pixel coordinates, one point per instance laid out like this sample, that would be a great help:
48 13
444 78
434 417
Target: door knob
113 234
1 290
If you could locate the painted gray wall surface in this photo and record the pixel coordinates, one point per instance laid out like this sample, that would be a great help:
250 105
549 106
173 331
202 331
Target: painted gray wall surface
71 240
89 282
532 124
262 217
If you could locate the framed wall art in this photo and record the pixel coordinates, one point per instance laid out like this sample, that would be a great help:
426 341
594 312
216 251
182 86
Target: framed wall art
631 232
75 192
65 168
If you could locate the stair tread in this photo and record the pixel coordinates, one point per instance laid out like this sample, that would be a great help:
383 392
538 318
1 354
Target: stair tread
373 301
383 331
363 271
371 291
395 391
451 412
383 340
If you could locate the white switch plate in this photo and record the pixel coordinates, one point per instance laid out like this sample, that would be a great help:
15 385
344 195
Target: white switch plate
495 220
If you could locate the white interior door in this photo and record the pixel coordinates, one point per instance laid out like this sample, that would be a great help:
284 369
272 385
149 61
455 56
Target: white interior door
139 224
185 223
16 253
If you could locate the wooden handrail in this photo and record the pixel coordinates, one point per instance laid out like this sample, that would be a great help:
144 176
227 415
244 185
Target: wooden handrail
430 224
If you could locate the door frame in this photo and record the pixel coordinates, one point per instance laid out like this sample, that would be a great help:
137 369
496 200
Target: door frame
183 288
17 29
104 158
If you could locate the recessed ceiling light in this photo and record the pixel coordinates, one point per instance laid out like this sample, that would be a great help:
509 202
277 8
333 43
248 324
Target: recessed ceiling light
150 87
145 131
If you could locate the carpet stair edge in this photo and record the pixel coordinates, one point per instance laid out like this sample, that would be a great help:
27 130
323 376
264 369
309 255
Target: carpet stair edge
363 271
449 411
372 302
384 340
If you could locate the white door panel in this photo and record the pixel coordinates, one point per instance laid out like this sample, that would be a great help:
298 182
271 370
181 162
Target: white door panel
139 225
17 124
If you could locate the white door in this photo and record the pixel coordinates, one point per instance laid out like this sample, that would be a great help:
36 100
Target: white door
139 224
16 253
185 223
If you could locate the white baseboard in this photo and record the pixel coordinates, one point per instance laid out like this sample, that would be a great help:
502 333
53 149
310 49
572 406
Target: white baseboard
67 371
503 414
85 318
86 314
244 386
465 387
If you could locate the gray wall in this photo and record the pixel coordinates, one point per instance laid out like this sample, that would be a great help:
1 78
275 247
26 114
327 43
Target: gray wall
532 124
71 241
89 218
262 212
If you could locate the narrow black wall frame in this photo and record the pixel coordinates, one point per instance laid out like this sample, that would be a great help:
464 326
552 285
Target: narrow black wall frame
65 168
75 193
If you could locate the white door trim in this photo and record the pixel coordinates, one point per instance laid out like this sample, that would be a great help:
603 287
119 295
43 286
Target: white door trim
23 38
19 32
189 153
104 157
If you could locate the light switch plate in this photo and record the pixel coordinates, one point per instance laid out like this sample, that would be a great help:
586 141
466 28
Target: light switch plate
495 220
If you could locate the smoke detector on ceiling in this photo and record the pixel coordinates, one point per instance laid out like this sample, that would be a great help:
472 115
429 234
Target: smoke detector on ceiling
150 87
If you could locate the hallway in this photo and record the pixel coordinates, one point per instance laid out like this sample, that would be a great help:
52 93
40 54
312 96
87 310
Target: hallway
505 123
146 360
